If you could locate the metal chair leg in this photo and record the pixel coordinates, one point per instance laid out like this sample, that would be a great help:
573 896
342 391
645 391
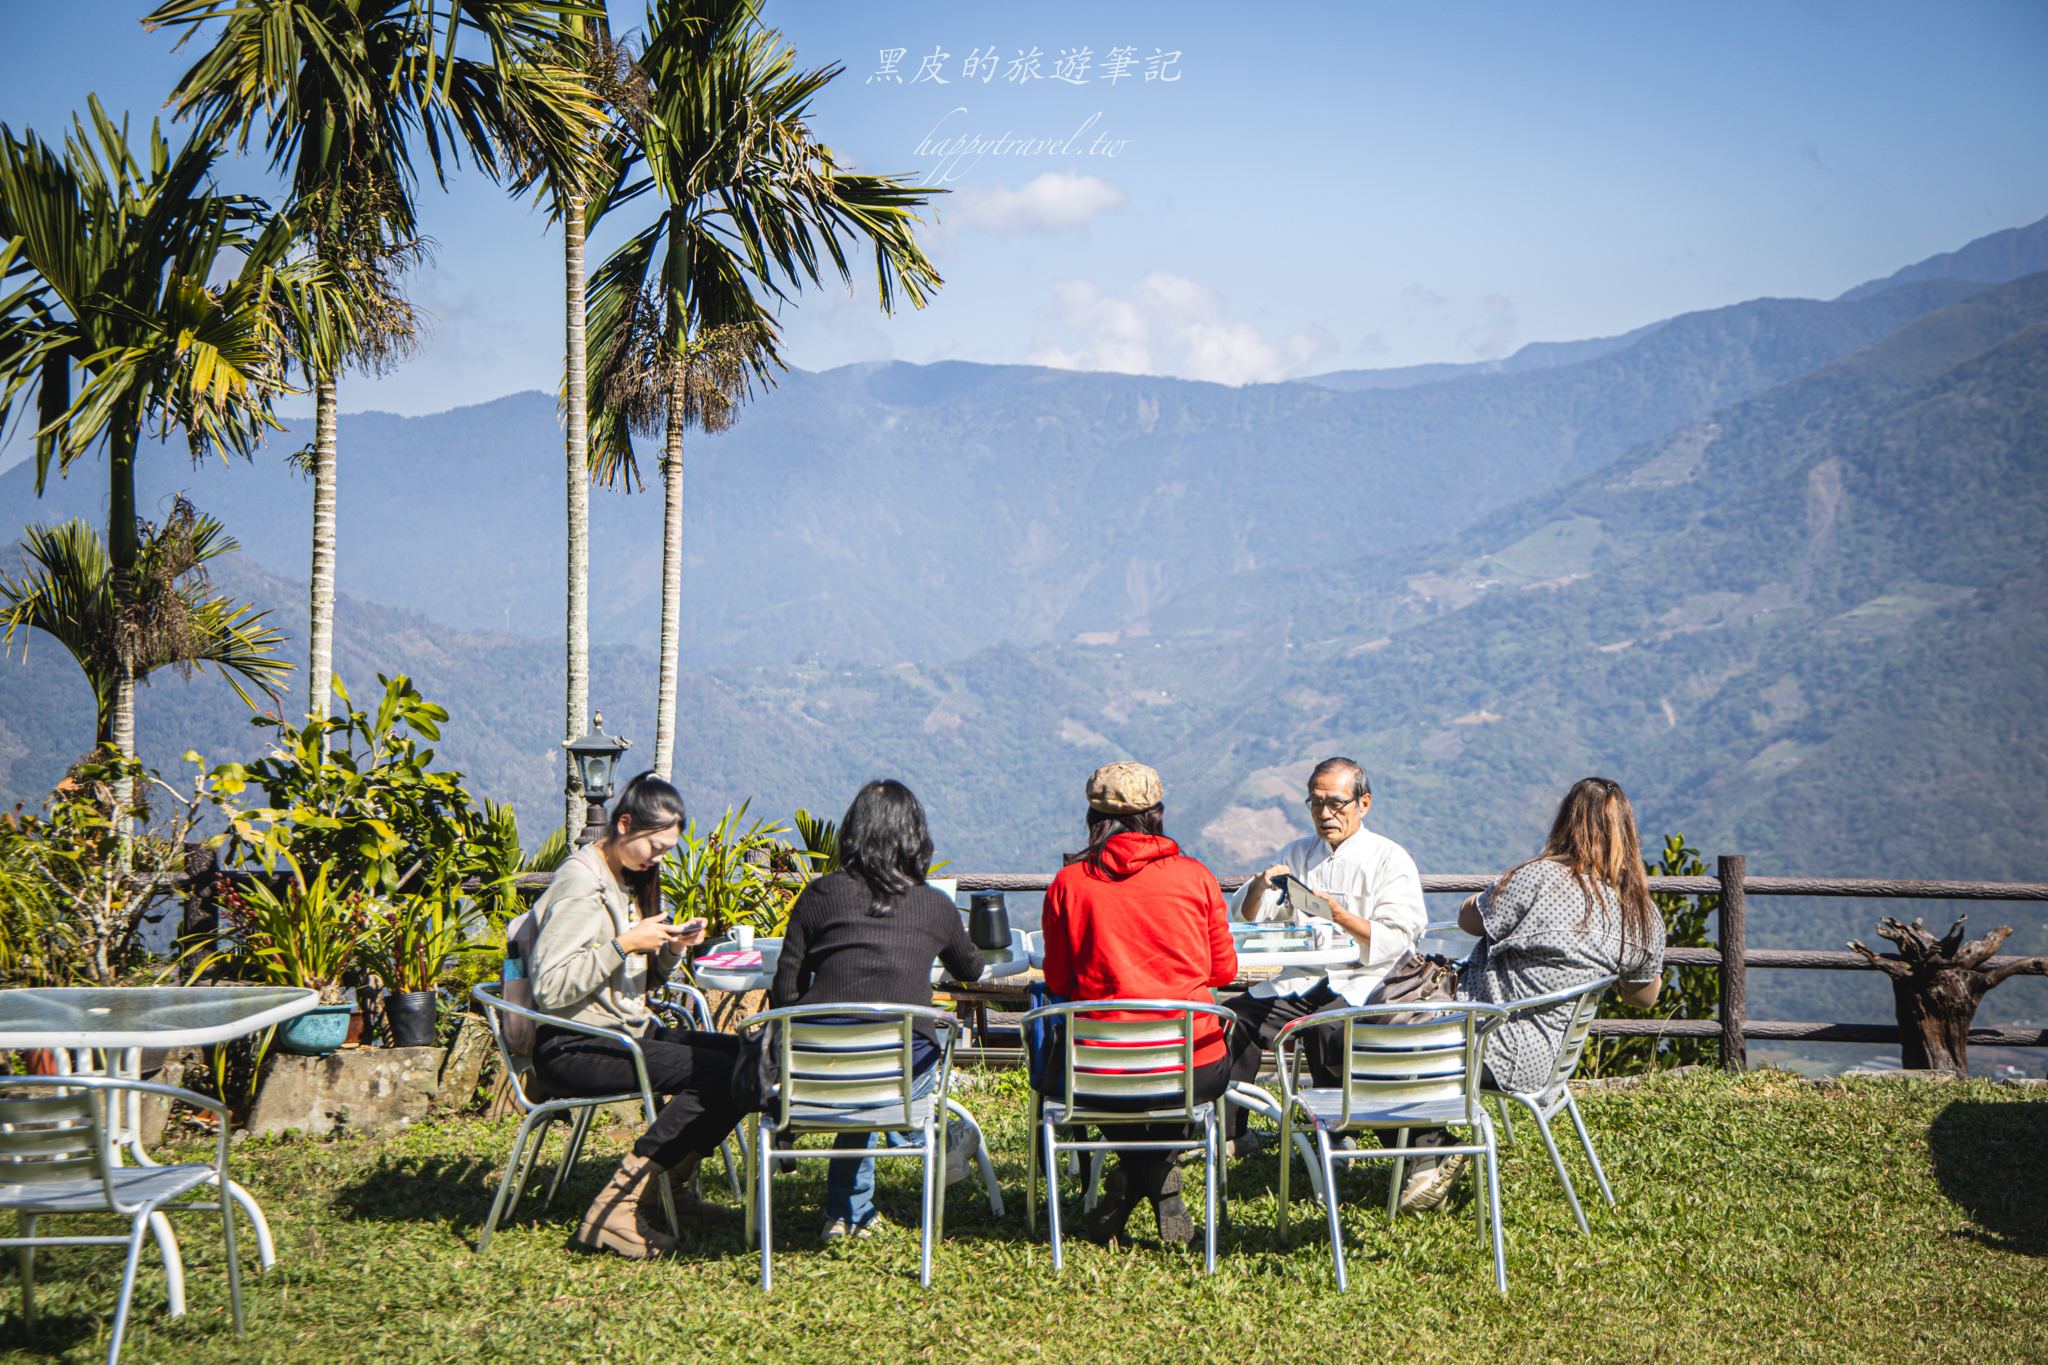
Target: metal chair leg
174 1264
981 1158
1033 1156
763 1174
1286 1166
1400 1165
1330 1206
1586 1141
1564 1177
939 1198
512 1167
1211 1174
266 1250
1052 1195
933 1191
573 1149
749 1157
135 1234
25 1224
234 1257
1500 1260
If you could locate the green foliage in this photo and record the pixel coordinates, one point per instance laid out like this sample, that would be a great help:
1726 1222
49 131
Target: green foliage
356 791
414 933
1689 992
735 874
309 933
66 590
500 861
821 840
79 882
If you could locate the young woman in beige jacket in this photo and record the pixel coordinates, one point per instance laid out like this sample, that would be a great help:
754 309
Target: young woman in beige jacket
603 944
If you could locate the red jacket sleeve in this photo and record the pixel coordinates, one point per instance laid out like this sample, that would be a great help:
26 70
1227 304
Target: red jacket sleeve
1059 949
1222 947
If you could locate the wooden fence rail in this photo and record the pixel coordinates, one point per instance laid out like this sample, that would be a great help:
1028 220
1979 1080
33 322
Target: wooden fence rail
1733 884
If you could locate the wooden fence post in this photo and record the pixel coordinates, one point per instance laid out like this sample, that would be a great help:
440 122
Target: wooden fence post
1730 868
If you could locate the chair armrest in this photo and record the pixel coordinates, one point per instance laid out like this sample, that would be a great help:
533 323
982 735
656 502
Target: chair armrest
1563 997
492 1000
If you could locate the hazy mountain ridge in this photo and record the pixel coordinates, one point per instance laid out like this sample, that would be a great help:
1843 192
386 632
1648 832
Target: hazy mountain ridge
879 513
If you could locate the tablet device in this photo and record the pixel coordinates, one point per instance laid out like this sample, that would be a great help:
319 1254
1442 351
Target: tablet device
1295 895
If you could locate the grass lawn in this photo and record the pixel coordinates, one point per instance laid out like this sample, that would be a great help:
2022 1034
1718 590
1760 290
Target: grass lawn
1760 1218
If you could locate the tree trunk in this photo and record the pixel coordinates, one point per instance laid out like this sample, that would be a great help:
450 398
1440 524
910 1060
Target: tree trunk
576 710
320 605
671 581
124 547
1936 984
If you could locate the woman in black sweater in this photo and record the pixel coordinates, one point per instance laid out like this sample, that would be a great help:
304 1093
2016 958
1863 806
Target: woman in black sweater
867 934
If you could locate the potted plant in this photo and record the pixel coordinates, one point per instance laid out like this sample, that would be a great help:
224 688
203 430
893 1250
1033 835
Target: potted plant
306 934
412 935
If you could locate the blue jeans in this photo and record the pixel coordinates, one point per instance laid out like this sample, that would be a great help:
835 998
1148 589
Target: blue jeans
850 1185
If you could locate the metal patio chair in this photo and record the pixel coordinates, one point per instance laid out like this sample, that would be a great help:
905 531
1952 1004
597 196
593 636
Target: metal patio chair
1147 1059
538 1109
57 1159
850 1068
1583 1002
1398 1076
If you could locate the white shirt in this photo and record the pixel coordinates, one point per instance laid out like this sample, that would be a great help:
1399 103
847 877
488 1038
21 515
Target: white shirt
1367 875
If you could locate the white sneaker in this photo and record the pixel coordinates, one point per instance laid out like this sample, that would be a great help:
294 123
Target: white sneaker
1429 1181
963 1140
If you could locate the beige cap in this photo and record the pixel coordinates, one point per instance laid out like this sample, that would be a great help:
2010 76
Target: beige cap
1120 788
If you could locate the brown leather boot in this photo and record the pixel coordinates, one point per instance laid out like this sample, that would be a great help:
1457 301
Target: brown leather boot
616 1220
682 1187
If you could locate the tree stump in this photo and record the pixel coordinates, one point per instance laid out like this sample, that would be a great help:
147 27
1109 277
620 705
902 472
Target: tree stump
1936 984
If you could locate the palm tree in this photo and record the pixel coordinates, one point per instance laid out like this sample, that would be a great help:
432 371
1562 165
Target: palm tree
682 315
344 90
132 295
571 186
66 590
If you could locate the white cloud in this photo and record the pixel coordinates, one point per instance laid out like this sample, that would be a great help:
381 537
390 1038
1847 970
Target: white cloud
1058 201
1167 324
1490 337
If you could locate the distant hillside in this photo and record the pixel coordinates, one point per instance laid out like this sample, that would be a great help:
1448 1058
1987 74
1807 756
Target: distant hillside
1537 355
1995 258
882 513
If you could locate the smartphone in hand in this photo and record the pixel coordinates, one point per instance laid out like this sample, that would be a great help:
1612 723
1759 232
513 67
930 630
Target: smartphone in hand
693 927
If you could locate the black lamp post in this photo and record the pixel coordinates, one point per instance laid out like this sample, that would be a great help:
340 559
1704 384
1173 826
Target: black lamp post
593 763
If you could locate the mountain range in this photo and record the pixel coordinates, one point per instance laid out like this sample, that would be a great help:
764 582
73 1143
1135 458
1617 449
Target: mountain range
1777 567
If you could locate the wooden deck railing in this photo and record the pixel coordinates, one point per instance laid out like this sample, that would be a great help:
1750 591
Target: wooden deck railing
1733 956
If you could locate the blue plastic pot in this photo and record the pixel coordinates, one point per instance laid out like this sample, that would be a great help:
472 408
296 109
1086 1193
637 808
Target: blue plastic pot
317 1032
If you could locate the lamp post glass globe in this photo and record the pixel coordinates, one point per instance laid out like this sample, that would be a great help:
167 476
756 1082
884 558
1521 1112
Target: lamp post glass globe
593 766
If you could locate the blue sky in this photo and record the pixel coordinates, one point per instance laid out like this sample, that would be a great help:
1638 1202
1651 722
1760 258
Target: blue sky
1324 186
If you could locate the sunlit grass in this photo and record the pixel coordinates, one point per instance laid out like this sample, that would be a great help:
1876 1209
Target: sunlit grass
1760 1218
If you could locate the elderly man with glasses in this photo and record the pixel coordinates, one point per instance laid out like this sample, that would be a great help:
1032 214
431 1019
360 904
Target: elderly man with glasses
1365 884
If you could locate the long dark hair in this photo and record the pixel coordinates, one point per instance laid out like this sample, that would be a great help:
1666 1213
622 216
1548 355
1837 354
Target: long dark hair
1594 836
884 842
647 803
1104 826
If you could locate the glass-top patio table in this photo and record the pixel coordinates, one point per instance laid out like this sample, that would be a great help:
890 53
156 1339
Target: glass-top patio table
1014 960
103 1030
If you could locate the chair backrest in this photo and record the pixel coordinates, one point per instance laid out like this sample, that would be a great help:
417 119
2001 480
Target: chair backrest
1145 1058
517 1065
52 1134
856 1060
1401 1055
1584 1004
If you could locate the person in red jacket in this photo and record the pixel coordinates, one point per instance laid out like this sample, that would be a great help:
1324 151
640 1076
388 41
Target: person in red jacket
1130 917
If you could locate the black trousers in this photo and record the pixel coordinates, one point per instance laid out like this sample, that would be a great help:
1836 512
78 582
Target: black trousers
1264 1017
1211 1081
692 1068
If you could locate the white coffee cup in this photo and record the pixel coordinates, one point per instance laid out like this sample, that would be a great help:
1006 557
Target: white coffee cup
743 936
